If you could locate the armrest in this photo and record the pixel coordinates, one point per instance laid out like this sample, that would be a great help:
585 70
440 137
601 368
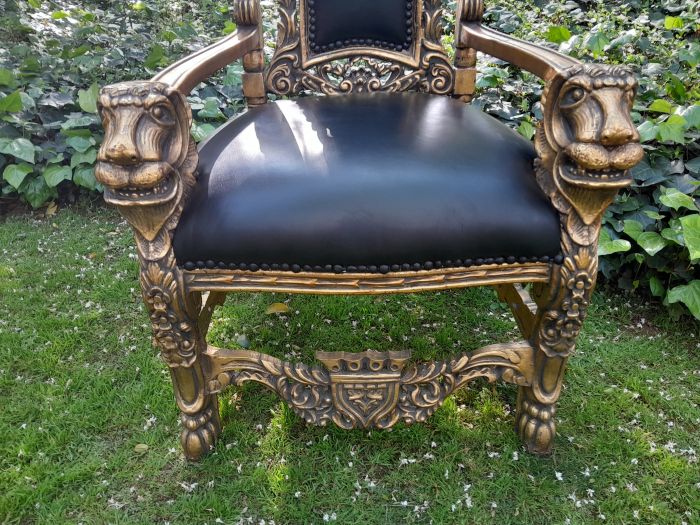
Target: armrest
587 142
539 60
147 161
185 74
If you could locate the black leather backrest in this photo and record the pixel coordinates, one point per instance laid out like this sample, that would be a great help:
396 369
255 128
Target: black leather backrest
335 24
350 46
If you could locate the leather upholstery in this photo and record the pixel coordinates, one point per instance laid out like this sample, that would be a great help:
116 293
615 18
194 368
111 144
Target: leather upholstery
334 24
375 180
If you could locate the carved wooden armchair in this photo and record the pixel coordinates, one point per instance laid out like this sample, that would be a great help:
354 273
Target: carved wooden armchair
395 185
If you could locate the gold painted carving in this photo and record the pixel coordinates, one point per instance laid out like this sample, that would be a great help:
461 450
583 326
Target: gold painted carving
247 12
147 164
587 145
471 10
358 69
365 283
368 389
147 160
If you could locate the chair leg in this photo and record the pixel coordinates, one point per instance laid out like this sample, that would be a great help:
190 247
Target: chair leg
561 310
177 334
199 412
534 418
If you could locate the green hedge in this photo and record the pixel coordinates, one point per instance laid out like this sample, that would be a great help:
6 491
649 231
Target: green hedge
56 57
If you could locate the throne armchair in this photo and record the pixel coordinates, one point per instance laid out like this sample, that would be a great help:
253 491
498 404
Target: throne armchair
384 180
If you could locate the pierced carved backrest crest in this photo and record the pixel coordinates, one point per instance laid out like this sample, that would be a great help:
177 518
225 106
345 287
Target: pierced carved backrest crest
340 46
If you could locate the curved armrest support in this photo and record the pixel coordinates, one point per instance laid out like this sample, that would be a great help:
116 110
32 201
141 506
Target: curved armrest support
185 74
541 61
587 142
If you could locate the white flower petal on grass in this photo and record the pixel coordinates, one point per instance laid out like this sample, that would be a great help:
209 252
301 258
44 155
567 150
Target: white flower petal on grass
559 476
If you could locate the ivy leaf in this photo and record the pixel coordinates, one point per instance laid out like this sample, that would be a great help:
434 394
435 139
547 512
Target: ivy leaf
607 245
647 174
80 144
596 42
202 131
37 192
673 198
691 234
656 286
633 228
651 242
85 176
673 130
56 100
526 129
6 77
20 148
155 56
693 166
229 27
692 116
661 106
690 54
87 157
15 174
76 120
55 174
673 22
558 34
648 131
87 99
674 232
211 109
687 294
12 103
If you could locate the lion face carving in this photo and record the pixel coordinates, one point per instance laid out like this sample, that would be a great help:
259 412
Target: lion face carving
597 142
147 159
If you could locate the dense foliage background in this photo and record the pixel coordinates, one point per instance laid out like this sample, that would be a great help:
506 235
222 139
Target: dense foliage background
55 54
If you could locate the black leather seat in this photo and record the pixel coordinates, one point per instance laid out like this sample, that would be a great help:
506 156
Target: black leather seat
381 182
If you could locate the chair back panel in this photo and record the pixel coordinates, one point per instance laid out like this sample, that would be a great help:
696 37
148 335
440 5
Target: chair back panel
350 46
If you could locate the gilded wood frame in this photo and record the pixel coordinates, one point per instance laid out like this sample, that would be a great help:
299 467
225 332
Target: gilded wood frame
586 145
295 68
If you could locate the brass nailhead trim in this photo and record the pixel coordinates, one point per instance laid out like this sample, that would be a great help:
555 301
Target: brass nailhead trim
354 42
383 268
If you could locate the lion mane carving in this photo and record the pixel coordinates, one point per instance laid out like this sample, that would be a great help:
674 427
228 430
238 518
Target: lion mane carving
148 159
589 139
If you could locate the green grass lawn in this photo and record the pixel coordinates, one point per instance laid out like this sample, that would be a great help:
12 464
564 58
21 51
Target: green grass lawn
81 388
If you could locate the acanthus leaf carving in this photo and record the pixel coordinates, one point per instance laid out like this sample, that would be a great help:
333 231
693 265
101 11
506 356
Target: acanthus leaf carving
355 71
369 389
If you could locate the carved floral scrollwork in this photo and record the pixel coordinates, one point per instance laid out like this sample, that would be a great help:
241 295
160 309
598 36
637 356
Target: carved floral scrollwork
172 331
369 389
358 72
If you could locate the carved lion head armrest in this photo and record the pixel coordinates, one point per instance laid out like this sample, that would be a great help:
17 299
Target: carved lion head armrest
587 142
148 158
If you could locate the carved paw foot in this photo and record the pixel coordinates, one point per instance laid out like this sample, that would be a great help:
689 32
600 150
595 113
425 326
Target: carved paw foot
535 425
200 431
